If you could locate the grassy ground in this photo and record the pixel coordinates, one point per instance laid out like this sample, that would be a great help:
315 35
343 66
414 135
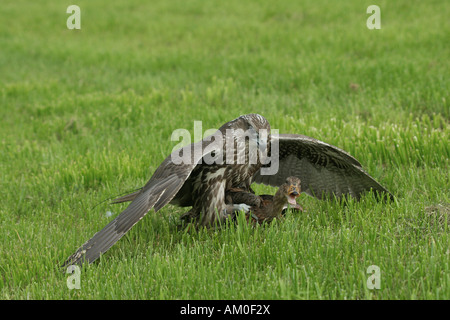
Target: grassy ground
86 115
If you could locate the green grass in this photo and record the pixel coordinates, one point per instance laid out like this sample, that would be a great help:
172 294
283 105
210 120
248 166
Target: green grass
86 115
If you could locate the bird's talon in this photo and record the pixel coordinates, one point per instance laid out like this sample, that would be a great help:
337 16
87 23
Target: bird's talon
242 207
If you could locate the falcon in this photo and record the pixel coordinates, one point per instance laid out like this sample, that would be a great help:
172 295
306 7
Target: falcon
241 152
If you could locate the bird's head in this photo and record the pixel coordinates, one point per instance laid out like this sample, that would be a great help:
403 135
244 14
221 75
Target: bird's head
291 189
258 129
248 138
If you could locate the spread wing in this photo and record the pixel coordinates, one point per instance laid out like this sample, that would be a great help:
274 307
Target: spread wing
163 186
324 170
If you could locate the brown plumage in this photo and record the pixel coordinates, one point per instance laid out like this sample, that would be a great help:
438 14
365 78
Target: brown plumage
265 208
199 182
325 170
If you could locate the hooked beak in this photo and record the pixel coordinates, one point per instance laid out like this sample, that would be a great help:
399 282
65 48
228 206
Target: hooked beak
262 144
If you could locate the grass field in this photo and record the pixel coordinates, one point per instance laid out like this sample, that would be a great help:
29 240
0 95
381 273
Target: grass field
88 114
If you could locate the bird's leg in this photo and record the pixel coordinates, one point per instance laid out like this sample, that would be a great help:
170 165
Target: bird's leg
240 196
232 208
238 199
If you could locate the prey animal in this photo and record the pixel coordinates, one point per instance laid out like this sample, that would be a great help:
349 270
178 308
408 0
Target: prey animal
265 208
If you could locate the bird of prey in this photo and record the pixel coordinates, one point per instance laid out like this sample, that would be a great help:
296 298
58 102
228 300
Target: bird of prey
241 152
265 208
